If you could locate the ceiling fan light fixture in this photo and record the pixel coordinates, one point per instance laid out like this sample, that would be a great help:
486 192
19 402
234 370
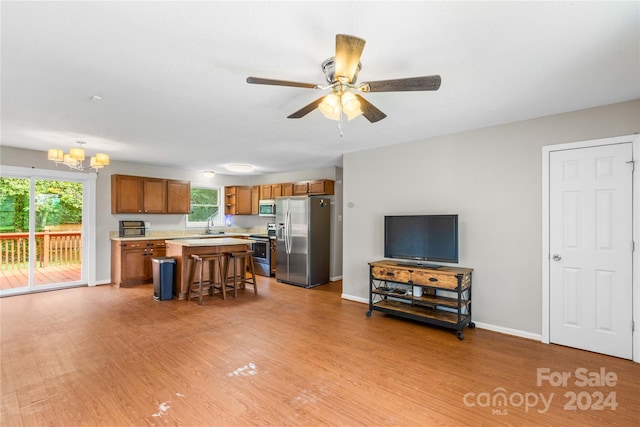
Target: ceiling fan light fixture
330 106
239 167
351 105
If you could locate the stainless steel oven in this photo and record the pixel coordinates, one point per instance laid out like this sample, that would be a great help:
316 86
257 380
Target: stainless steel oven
261 254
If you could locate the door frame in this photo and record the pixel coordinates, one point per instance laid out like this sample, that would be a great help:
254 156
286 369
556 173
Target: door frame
546 154
88 272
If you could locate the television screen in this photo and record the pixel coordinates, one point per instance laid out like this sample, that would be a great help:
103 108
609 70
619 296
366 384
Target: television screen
421 237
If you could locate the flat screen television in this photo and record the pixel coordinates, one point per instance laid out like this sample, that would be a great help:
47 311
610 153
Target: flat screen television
421 238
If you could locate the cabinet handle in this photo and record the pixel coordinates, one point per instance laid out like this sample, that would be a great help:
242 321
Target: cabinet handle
389 273
433 279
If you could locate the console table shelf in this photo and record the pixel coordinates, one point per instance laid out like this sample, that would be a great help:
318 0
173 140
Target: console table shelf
391 291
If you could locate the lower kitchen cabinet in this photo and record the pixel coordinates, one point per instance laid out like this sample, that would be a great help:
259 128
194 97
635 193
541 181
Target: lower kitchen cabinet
131 261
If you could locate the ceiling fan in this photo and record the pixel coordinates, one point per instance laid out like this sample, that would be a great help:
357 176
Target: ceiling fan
341 72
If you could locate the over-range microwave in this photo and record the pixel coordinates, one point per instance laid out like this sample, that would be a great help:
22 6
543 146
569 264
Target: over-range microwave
267 207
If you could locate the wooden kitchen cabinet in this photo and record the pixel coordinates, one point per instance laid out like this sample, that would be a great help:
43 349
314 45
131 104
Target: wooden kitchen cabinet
154 195
265 192
255 200
131 261
315 187
139 194
126 194
287 189
270 191
237 200
178 197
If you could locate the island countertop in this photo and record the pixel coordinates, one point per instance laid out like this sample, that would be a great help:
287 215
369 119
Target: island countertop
183 249
213 241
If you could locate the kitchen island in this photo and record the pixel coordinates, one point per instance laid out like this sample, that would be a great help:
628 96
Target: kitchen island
182 249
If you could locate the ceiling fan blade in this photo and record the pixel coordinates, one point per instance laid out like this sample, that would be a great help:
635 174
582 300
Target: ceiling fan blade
348 52
369 111
400 85
261 81
306 109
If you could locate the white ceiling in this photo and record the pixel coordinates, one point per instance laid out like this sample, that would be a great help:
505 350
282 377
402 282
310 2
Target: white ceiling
172 75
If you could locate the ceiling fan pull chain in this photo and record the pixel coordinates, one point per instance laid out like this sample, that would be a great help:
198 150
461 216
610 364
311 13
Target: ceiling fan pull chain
340 122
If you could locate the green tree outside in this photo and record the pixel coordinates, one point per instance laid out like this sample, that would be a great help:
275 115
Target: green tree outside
57 202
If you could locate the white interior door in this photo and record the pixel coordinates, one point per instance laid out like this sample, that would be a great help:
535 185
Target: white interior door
590 243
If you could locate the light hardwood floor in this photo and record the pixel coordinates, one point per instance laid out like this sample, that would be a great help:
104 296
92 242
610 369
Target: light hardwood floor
290 357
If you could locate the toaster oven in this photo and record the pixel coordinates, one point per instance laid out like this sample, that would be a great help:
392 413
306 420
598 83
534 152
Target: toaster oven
132 229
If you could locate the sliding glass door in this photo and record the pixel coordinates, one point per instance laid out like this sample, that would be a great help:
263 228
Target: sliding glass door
41 233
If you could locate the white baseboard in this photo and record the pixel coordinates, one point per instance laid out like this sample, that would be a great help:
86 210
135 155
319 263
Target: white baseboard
356 299
509 331
481 325
102 282
335 278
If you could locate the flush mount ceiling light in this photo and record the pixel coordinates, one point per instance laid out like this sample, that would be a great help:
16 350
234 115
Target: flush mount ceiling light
239 167
209 174
75 158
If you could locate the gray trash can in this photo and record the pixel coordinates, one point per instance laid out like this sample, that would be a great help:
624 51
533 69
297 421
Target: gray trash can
163 274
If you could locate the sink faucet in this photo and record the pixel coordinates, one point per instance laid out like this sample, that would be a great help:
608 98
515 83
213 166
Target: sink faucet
210 224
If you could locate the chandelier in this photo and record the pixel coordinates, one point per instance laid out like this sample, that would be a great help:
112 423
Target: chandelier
75 158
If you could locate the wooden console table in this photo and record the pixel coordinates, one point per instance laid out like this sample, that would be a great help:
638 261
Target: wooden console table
391 291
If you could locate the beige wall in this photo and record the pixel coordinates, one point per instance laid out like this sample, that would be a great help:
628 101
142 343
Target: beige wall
492 178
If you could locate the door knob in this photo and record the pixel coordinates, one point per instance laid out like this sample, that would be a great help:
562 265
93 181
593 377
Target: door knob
556 257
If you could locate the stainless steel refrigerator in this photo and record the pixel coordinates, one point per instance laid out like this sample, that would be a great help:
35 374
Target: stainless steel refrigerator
302 240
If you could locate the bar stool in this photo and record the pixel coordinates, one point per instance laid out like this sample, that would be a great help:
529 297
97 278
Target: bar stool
245 258
199 282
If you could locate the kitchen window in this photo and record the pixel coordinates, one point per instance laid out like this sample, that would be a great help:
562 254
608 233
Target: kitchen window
205 206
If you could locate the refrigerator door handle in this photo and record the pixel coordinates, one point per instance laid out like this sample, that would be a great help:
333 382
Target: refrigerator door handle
287 228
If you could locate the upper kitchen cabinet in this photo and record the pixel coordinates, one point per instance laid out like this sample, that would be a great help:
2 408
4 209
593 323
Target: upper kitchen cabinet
270 191
126 194
255 200
316 187
139 194
154 195
237 200
178 197
287 189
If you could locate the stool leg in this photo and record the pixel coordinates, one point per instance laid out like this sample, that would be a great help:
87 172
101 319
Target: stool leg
201 282
228 260
223 284
253 275
235 277
192 276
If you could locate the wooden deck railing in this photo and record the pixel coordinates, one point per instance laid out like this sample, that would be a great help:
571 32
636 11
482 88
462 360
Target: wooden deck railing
52 248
